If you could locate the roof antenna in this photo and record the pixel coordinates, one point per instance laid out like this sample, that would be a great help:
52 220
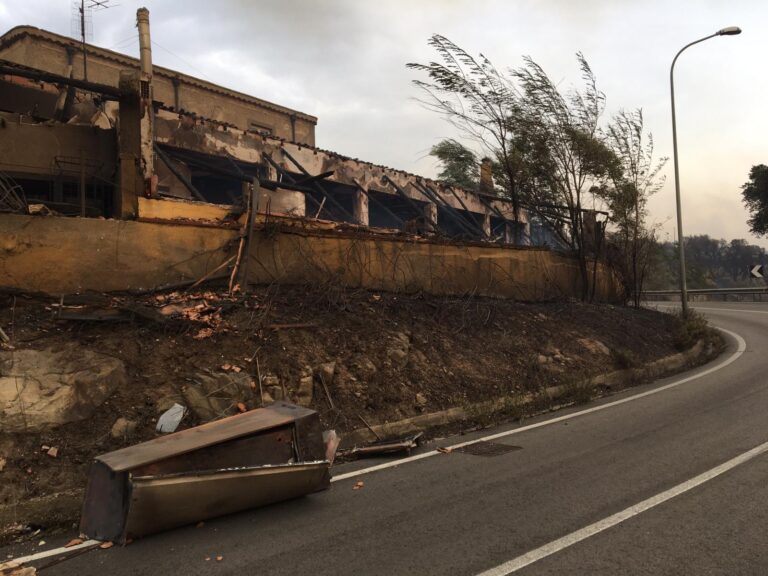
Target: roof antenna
82 23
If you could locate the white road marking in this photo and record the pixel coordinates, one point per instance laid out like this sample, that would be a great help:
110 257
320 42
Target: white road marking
48 553
584 533
741 347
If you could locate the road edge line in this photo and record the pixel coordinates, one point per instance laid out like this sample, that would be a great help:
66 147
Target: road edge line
741 346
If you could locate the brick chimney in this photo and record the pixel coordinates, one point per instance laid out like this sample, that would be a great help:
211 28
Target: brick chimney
486 176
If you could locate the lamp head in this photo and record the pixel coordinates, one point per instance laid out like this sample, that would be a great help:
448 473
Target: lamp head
730 31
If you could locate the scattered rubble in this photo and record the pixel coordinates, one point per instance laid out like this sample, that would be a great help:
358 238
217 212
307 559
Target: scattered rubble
170 419
384 447
595 346
211 395
305 391
124 428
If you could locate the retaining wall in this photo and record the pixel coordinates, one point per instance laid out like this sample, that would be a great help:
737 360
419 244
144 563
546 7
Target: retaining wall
64 255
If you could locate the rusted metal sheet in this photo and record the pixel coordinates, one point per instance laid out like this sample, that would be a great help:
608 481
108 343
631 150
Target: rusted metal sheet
251 459
384 447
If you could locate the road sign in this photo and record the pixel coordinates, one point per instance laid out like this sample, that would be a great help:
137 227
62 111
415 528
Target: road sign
756 271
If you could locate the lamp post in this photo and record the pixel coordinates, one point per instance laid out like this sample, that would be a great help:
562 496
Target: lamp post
729 31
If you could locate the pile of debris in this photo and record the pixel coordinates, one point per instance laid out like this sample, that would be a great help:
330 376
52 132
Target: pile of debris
203 309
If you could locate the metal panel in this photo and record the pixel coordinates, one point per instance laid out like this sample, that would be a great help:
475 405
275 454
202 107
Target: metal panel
279 414
106 503
259 457
163 502
271 447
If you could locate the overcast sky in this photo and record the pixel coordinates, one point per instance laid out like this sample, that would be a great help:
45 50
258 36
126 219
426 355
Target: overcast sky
344 62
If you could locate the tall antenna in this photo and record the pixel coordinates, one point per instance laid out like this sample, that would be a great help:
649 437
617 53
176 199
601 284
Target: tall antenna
82 23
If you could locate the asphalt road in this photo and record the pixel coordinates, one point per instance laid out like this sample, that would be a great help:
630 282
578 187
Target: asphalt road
673 482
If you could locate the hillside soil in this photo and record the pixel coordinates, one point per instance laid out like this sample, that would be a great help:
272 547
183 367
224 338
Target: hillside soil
354 356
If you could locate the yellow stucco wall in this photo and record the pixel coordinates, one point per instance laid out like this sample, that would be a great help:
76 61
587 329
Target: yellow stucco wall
406 265
64 255
170 209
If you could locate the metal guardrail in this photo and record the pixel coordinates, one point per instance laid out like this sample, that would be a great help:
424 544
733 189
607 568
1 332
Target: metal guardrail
749 290
751 294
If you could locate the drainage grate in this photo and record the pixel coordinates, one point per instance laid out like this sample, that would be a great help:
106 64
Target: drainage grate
487 449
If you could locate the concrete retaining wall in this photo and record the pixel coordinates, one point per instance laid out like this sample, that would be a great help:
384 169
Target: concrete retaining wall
64 255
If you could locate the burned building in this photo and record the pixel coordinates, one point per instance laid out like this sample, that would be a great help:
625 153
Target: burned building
80 112
87 132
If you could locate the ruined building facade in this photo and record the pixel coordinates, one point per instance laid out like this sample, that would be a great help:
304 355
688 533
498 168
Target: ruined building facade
81 124
121 175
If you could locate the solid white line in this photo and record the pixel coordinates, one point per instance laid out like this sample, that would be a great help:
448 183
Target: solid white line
48 553
584 533
741 347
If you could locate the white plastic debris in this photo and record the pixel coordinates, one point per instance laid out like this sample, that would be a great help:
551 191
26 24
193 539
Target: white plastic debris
170 419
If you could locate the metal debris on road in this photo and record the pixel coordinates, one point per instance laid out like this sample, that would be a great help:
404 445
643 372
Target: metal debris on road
387 446
244 461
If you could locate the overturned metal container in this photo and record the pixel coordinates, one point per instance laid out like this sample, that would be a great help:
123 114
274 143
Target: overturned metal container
252 459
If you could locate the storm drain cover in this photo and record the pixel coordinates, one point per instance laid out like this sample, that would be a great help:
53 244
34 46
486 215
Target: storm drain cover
488 449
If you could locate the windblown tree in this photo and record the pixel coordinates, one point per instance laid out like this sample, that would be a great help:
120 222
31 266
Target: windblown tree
479 101
549 154
577 162
755 195
627 198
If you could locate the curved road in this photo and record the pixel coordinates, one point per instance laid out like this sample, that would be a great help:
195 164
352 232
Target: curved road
668 478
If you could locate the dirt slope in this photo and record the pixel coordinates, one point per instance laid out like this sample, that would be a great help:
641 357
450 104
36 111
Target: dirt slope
372 356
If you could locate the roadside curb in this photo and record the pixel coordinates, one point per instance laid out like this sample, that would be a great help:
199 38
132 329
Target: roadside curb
58 509
610 382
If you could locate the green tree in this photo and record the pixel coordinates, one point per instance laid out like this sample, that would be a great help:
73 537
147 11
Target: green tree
755 195
577 160
627 198
548 151
740 257
459 165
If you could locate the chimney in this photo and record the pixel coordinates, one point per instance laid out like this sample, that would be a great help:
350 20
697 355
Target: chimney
145 43
486 176
147 112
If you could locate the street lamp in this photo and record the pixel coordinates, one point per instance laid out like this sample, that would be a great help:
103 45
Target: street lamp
729 31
